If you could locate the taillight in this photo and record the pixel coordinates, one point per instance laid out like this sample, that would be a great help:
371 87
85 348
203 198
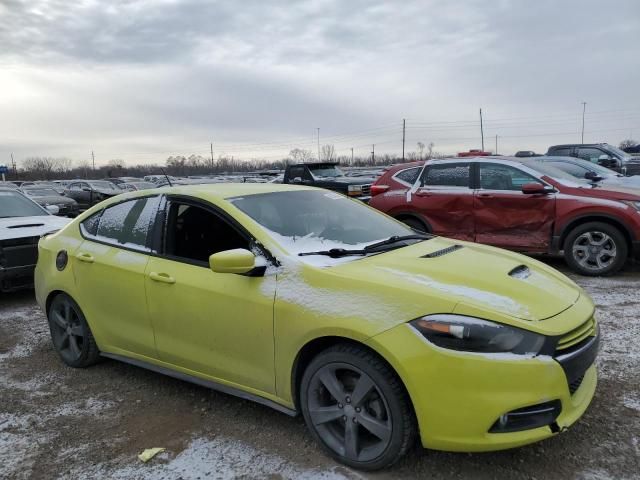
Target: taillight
377 189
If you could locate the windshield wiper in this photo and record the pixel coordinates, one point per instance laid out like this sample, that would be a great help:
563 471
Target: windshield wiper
335 253
396 239
372 248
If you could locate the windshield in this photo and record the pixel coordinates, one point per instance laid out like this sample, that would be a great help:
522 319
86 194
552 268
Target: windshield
617 151
313 220
13 204
105 185
326 171
41 192
553 172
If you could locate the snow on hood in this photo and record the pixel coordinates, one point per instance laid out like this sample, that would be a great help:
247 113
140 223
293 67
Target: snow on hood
22 227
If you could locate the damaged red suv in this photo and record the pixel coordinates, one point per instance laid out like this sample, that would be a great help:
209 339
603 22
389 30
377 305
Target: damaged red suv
516 203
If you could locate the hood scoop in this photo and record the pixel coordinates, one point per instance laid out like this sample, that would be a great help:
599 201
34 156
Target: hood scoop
444 251
521 271
27 225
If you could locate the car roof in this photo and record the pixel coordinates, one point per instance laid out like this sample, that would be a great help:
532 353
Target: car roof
577 145
220 191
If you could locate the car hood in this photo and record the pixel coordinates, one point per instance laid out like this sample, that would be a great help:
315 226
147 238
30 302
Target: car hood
53 200
471 278
21 227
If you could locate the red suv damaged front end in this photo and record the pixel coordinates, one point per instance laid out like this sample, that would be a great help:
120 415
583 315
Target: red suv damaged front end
518 204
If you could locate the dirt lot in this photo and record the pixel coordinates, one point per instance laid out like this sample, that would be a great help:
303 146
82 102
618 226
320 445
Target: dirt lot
57 422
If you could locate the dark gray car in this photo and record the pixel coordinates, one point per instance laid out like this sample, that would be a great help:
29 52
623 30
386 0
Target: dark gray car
44 196
89 192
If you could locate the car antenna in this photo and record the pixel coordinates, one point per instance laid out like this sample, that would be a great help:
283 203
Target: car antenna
166 176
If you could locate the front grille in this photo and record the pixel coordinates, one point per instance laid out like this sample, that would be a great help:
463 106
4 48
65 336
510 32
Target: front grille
366 190
575 385
577 335
632 169
19 252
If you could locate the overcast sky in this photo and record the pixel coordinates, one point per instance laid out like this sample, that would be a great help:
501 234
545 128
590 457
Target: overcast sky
142 80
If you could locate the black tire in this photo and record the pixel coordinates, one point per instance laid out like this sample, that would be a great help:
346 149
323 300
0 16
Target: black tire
595 248
415 224
70 333
379 401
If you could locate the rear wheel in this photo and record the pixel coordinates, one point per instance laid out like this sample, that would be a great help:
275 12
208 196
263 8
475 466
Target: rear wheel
71 335
356 408
595 248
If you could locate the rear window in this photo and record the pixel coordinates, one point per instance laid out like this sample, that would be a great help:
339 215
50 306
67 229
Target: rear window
408 176
125 224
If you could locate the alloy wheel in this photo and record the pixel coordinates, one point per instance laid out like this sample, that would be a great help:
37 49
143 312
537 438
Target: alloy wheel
594 250
66 329
349 412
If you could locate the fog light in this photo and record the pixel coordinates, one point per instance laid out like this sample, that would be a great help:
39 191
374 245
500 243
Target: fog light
526 418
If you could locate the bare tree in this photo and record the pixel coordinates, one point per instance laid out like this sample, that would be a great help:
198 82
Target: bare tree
300 155
420 150
628 143
328 153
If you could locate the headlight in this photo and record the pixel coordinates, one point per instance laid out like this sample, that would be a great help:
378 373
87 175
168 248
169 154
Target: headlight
632 204
354 190
469 334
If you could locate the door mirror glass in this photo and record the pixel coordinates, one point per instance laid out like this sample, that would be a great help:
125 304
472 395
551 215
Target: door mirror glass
593 176
53 209
535 187
237 260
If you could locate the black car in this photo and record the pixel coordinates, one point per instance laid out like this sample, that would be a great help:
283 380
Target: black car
601 153
45 196
89 192
328 175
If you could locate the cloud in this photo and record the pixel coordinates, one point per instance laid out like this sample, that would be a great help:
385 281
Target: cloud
157 76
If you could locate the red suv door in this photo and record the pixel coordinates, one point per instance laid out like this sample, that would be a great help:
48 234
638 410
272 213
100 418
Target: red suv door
506 217
445 199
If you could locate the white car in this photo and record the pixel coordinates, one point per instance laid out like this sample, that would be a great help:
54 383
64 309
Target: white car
22 223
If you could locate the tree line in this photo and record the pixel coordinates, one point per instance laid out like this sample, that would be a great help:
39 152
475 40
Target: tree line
61 168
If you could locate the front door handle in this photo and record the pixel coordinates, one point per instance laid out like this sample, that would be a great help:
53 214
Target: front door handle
85 257
485 195
423 193
161 277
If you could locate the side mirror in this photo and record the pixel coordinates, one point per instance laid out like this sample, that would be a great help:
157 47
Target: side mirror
593 176
296 180
535 188
238 260
53 209
85 189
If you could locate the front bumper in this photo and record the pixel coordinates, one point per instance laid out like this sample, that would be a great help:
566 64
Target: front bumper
458 397
18 258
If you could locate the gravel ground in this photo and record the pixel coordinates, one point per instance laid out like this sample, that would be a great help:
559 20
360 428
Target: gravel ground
57 422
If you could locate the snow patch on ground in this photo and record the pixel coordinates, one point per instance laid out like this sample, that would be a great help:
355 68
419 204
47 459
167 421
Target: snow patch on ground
216 459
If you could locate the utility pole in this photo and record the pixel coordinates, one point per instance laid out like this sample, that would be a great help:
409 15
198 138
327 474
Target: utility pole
93 159
373 154
15 169
481 130
318 143
496 145
352 155
584 107
404 124
211 145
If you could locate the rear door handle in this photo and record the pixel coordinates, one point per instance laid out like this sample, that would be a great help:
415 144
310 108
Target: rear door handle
161 277
423 193
85 257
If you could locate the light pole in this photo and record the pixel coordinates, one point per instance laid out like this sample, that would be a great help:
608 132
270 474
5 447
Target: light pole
584 107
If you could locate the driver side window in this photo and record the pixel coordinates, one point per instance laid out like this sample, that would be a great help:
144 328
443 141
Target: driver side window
193 233
503 177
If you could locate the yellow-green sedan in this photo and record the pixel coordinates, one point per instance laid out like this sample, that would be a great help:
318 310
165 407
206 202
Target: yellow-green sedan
310 302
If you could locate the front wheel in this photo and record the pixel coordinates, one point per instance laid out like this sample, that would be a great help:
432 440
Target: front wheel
595 248
356 407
